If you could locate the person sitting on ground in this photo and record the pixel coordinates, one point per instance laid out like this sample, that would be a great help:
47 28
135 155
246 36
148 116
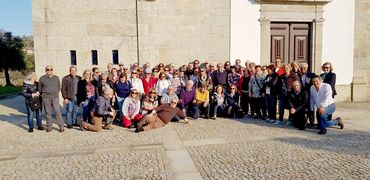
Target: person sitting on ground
232 101
297 105
150 101
160 116
188 100
322 99
102 111
202 97
218 102
169 96
131 109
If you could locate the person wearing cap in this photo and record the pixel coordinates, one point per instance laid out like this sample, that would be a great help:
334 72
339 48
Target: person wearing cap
160 116
102 111
148 81
136 82
202 97
131 109
233 77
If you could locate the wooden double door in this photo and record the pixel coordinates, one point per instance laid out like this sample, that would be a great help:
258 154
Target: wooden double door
290 41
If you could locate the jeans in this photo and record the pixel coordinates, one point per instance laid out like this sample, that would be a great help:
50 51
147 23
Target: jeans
72 110
271 105
282 104
88 104
30 114
323 118
119 104
217 109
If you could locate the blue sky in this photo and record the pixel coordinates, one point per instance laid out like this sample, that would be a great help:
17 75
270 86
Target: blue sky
16 16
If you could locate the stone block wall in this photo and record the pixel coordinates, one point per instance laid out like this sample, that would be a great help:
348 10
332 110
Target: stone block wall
170 31
361 65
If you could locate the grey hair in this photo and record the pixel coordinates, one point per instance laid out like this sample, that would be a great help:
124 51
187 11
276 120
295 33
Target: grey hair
296 81
190 82
304 65
30 75
104 73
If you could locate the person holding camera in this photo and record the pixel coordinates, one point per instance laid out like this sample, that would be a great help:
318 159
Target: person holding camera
102 111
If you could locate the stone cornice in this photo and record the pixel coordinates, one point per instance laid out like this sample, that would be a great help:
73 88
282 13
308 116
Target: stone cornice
308 2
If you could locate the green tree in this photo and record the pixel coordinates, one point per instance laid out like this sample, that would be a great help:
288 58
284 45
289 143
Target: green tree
11 54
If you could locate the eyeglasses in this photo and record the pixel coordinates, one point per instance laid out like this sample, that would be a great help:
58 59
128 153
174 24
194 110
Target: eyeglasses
263 69
202 71
134 93
173 102
232 88
155 71
49 69
152 92
166 70
121 65
326 67
125 69
147 73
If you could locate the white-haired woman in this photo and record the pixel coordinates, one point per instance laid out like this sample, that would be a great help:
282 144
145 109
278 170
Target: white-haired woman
33 101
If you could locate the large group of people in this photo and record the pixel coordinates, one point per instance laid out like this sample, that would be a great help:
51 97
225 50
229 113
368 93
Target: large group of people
149 97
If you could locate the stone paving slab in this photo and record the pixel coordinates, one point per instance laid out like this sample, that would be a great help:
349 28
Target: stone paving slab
209 149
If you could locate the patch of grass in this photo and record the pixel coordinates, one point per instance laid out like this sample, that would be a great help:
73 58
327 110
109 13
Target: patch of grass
10 89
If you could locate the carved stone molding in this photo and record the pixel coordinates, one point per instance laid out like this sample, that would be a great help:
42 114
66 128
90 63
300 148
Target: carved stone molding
310 2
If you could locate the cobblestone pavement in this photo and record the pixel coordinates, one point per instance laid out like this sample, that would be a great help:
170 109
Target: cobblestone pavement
206 149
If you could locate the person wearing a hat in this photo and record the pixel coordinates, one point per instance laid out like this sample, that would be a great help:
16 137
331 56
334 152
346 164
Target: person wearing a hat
148 81
130 109
233 77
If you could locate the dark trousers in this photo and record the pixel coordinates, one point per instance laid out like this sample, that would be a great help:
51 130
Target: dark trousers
191 108
299 119
203 110
282 105
271 105
50 105
217 110
259 106
245 102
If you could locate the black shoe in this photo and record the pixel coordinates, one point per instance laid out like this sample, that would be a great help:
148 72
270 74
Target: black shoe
206 117
40 128
323 131
30 130
340 123
139 129
302 128
76 125
61 130
131 127
69 126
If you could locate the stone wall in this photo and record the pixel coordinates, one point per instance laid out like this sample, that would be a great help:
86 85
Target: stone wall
361 65
174 31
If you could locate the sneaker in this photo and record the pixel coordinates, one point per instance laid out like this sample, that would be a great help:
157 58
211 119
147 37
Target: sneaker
272 121
278 122
69 126
40 128
340 122
213 117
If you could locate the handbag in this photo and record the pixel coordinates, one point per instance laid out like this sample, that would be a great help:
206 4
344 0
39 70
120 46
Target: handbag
34 103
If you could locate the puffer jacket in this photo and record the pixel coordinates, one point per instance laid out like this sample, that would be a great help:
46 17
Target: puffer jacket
28 89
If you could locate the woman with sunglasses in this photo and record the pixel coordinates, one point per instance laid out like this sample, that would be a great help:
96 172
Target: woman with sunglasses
148 81
232 101
330 78
130 109
150 101
162 85
136 82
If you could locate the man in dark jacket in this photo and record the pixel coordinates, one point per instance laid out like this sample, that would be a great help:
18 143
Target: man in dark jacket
297 105
69 94
305 78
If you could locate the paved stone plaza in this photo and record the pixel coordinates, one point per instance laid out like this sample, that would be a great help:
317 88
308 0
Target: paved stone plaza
205 149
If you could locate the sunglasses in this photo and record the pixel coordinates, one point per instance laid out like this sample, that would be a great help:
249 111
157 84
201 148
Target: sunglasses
173 102
147 73
49 69
166 70
152 92
125 69
263 69
326 67
232 88
134 93
121 65
202 71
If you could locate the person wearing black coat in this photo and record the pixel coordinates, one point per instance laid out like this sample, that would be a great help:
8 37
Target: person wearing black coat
31 93
297 105
272 91
305 79
86 94
330 78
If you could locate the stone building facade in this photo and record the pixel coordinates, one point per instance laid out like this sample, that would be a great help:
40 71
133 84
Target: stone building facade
97 32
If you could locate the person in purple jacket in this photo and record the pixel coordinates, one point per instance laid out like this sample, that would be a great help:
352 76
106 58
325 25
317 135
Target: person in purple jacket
188 100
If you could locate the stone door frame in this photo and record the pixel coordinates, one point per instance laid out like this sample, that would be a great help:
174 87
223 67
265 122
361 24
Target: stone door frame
309 11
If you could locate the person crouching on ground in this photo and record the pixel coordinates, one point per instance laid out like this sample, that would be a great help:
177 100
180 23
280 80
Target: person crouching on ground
202 97
160 116
297 104
131 109
322 99
102 111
